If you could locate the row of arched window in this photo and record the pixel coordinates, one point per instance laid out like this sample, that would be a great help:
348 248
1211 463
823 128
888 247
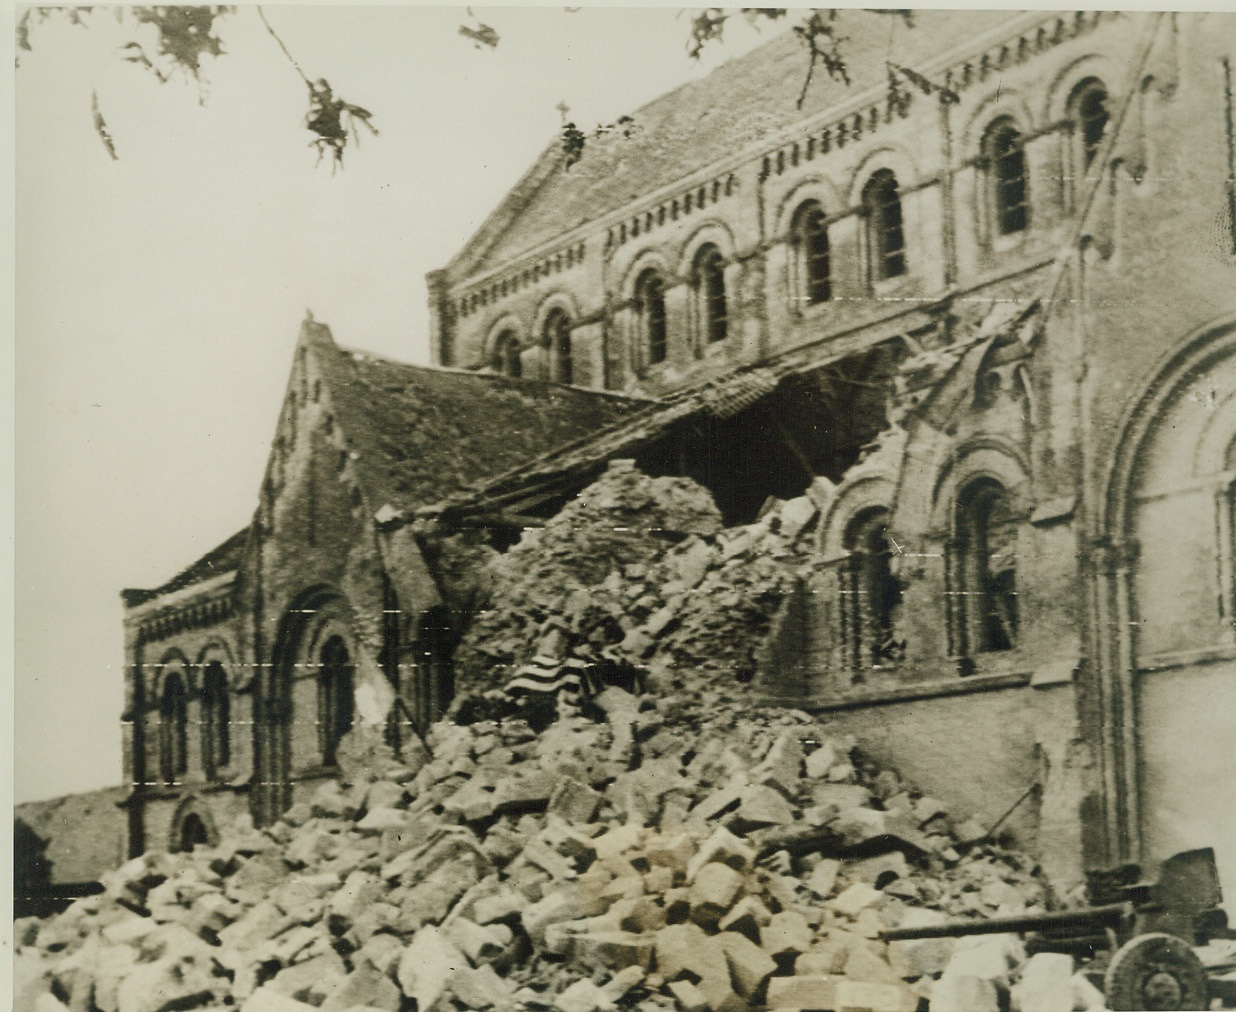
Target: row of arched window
1003 162
981 577
215 724
335 714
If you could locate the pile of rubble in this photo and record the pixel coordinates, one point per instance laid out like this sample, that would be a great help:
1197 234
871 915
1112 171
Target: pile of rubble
639 570
684 852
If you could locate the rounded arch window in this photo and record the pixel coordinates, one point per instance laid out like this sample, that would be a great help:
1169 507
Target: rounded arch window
193 832
987 547
710 286
506 355
173 728
335 696
809 236
885 230
874 588
216 719
1004 151
1090 113
558 339
650 299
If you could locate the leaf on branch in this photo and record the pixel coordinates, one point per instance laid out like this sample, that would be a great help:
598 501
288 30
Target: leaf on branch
824 47
333 121
100 126
574 140
37 15
706 26
185 34
483 35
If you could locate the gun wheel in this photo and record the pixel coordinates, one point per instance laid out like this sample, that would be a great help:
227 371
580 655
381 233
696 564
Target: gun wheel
1156 973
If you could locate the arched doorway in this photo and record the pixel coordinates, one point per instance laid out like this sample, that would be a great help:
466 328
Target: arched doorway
193 832
309 699
1165 627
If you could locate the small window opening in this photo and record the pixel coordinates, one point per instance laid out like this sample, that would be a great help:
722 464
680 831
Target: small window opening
885 233
1091 115
1007 160
650 293
558 340
173 727
506 358
216 720
987 534
810 237
710 280
335 697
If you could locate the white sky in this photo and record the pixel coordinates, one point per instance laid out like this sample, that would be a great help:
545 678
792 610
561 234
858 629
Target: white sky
159 296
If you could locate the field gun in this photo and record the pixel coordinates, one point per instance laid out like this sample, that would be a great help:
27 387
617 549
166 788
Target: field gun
1140 934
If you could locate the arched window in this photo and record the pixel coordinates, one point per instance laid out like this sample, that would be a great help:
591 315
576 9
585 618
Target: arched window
650 298
1005 154
173 725
885 235
809 236
335 697
874 592
558 340
506 358
193 833
987 554
710 288
1090 114
216 717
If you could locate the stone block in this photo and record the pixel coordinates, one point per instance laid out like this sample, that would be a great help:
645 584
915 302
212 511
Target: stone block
782 766
747 917
479 988
382 950
862 996
366 986
823 877
864 965
618 840
686 948
924 956
824 958
615 950
426 965
480 943
989 957
714 891
266 999
722 847
688 996
718 802
497 906
803 992
310 981
574 801
1046 984
749 965
855 899
164 984
582 996
761 805
617 987
786 932
954 992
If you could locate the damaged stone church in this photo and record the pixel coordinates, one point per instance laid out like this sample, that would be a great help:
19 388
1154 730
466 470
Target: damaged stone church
984 322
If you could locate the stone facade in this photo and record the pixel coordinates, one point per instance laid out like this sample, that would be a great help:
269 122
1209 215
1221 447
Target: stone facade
1025 585
247 670
1018 280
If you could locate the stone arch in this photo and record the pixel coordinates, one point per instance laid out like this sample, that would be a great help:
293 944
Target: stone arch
815 187
984 456
557 299
852 498
192 825
508 322
647 259
173 659
1163 595
714 231
1003 103
291 735
887 156
1059 94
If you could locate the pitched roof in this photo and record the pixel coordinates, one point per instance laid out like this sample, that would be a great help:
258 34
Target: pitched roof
421 434
743 101
224 558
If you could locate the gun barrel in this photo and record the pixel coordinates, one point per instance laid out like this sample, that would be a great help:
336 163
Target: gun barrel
1088 918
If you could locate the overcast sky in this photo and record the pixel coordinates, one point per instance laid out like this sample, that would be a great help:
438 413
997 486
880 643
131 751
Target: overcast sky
159 296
